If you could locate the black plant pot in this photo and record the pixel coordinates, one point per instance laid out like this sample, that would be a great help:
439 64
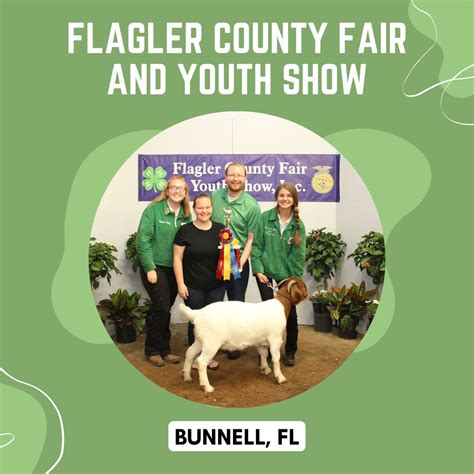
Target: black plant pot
349 332
125 334
322 318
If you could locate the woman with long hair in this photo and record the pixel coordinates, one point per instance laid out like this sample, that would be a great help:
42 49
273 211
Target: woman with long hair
278 252
158 226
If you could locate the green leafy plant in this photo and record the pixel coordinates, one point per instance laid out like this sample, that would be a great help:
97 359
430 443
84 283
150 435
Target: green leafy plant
335 300
369 255
346 323
372 308
358 300
131 251
124 309
101 262
353 301
324 252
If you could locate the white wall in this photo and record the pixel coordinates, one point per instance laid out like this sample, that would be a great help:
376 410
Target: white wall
356 215
119 211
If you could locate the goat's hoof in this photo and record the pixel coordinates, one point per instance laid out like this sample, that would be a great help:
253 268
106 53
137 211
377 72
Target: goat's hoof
208 389
281 380
266 370
188 379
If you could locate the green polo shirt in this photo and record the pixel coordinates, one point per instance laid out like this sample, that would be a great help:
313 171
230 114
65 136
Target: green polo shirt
275 254
245 213
156 232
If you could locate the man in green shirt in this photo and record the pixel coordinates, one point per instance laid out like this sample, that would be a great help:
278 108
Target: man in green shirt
244 213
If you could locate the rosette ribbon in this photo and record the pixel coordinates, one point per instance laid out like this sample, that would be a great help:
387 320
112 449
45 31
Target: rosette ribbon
229 256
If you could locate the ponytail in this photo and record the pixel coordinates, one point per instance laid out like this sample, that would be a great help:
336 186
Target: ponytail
296 216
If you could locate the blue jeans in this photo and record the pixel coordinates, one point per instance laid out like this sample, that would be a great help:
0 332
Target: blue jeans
236 288
197 299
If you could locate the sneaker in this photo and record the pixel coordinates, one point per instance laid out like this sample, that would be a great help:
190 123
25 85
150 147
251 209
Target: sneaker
171 358
156 360
233 355
289 360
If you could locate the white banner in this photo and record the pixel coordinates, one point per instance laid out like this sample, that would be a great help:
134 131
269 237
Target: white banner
237 436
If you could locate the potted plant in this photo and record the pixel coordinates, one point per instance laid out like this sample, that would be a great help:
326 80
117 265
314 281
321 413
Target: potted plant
126 312
354 306
371 310
131 251
369 255
324 252
101 262
322 317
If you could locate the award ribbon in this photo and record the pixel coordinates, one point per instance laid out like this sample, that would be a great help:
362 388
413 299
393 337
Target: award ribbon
229 257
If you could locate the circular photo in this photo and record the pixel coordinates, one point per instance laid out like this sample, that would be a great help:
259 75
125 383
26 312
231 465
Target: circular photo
236 259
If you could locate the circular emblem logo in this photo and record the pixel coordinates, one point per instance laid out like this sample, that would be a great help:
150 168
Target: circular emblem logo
322 181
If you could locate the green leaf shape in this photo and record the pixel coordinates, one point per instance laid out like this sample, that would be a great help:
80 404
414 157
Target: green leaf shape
154 179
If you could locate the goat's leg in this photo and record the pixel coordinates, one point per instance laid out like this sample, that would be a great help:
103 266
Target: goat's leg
264 367
191 353
275 345
207 354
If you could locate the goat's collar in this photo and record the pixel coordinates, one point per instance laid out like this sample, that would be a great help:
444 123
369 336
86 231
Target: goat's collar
277 285
285 301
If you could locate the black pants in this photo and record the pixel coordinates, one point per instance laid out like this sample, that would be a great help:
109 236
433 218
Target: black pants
162 295
291 345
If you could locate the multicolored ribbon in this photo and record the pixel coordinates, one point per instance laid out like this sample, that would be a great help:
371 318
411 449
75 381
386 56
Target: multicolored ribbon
229 257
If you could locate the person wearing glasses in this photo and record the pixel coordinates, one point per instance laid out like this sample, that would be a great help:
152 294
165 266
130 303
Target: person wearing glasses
278 252
156 232
196 253
235 203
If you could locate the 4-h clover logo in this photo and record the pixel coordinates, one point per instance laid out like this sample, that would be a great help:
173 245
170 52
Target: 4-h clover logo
154 179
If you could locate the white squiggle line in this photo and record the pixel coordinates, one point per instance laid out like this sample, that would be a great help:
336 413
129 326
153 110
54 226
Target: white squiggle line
8 442
447 81
55 407
455 78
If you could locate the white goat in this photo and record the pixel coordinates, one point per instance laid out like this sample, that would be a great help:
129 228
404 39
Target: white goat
233 325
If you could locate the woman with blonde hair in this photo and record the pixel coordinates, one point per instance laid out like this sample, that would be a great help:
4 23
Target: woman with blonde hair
158 226
278 252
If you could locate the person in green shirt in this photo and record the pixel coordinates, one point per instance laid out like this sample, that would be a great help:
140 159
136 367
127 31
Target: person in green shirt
278 252
244 213
156 232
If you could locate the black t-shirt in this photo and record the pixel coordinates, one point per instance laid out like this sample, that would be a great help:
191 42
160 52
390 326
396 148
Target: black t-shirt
201 255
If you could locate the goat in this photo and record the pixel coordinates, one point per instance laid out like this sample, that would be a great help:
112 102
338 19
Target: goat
234 325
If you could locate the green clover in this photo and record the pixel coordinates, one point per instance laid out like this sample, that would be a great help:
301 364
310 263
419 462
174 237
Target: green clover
154 179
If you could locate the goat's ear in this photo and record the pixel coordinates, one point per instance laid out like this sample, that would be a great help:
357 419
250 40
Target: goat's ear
297 290
290 284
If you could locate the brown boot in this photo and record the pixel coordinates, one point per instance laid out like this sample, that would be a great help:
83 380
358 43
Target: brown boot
156 360
171 358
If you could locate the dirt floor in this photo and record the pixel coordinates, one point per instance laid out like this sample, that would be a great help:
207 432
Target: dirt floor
238 383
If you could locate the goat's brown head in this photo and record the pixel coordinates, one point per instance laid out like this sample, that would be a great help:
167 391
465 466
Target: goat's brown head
295 290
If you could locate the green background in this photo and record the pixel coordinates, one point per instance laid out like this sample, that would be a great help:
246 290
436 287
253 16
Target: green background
402 405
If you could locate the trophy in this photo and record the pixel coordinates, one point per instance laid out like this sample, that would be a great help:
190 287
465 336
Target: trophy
227 217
